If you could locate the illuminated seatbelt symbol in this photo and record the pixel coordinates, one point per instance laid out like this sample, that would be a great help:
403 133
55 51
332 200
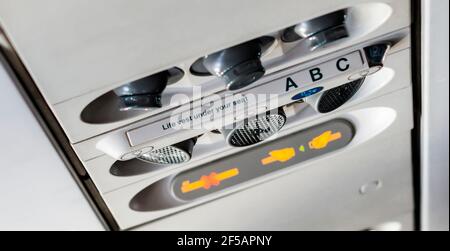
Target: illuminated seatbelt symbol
282 155
207 181
322 141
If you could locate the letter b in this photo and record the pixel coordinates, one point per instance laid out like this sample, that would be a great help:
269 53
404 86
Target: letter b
316 75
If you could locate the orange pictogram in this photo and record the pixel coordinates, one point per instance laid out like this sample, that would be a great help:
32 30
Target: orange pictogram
207 181
324 139
281 155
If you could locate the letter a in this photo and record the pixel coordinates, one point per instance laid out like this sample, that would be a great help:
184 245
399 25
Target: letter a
290 83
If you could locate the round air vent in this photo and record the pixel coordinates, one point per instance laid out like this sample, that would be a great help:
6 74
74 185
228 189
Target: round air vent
253 131
237 66
131 99
336 97
175 154
146 92
318 31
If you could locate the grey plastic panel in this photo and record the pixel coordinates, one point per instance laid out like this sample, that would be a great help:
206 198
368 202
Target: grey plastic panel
132 40
323 195
435 116
333 179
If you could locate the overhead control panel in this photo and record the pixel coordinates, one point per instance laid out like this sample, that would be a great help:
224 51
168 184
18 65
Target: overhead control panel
288 107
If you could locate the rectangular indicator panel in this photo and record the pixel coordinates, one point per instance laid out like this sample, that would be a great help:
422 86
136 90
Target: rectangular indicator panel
262 160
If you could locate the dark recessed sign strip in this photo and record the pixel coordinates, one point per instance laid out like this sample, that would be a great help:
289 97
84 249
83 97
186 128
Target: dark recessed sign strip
233 171
262 160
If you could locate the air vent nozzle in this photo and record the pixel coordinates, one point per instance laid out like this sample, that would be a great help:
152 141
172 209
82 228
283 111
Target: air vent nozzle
376 54
320 30
146 92
238 66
